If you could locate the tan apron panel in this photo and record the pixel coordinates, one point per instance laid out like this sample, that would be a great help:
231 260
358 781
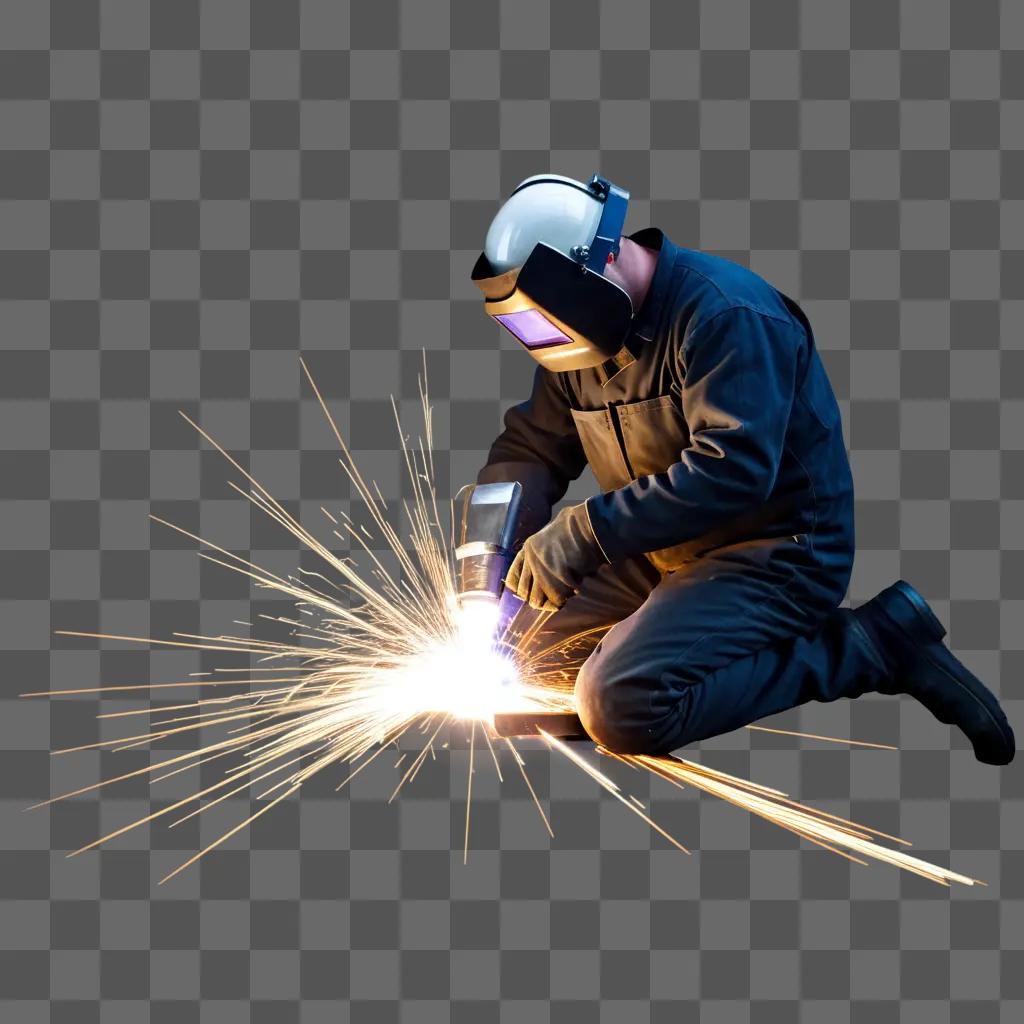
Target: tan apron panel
632 440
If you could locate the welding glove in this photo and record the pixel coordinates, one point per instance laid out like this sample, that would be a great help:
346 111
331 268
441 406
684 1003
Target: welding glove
553 562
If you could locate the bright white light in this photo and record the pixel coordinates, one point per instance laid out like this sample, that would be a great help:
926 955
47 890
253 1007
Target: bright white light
476 622
465 675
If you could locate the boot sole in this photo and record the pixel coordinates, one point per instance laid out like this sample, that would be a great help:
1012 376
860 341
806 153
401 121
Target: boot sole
958 673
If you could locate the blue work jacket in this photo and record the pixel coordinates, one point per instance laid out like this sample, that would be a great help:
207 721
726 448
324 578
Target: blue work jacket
721 428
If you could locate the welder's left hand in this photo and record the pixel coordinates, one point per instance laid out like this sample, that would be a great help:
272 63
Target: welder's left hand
553 562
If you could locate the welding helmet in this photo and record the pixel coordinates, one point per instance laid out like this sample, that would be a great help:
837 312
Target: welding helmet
542 270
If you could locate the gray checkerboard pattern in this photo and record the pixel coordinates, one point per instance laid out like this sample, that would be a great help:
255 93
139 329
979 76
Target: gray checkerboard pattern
191 194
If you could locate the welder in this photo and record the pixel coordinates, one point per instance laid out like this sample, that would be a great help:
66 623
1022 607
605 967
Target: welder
705 578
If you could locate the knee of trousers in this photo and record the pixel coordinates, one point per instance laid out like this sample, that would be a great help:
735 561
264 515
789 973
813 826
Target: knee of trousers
614 705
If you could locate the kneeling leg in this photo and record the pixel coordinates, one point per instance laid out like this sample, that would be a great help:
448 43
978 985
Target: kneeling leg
683 668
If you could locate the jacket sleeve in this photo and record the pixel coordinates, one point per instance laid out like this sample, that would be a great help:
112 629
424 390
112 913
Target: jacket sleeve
540 448
738 373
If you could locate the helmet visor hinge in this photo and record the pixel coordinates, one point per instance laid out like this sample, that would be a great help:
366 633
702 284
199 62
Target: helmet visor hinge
580 253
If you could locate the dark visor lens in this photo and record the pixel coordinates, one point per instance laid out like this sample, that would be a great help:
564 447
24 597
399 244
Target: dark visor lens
532 328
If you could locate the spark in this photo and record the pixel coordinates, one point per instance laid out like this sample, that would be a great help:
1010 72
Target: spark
469 793
827 830
827 739
379 651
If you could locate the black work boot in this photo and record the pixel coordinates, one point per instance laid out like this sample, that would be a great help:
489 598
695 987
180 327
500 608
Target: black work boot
908 638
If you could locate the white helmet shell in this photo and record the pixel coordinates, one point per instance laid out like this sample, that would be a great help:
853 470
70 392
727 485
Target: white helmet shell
550 208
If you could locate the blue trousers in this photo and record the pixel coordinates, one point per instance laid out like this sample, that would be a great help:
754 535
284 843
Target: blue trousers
742 632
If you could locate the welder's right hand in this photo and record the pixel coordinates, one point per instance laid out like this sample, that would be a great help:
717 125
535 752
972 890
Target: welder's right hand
553 562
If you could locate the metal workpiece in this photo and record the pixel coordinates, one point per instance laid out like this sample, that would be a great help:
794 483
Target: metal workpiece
564 725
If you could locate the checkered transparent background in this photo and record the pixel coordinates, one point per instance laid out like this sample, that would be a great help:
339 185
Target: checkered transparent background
191 194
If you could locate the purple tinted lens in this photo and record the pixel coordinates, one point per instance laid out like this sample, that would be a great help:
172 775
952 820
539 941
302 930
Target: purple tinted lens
532 328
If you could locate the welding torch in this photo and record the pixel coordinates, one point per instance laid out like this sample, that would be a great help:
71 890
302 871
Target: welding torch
487 522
